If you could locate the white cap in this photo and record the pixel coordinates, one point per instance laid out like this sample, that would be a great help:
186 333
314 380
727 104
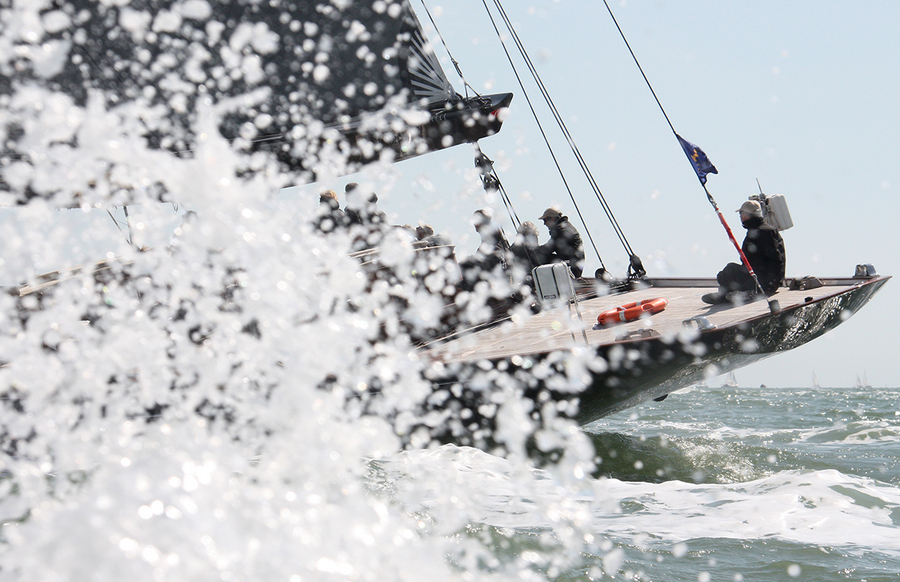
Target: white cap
752 208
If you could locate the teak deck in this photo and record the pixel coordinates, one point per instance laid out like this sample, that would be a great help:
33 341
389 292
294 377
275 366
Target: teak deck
562 328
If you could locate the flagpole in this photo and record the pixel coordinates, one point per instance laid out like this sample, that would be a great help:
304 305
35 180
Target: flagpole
773 303
731 236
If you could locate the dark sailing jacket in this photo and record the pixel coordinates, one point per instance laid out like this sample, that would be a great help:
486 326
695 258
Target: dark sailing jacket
369 214
564 245
764 249
329 215
492 251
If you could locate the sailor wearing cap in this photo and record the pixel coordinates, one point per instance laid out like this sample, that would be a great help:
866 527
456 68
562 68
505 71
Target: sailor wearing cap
750 208
764 249
565 243
329 215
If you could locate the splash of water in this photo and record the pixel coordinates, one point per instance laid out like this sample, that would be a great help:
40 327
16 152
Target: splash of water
211 405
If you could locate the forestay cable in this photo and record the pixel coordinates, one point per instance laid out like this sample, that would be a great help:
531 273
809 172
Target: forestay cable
491 181
489 178
456 66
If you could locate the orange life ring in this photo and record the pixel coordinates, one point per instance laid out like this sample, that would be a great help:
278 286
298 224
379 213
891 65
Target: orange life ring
632 311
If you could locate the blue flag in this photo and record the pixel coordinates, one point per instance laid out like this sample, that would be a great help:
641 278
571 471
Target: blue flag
698 159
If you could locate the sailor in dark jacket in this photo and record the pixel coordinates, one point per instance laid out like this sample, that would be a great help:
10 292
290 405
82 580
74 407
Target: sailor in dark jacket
361 208
329 215
565 243
363 218
523 250
764 249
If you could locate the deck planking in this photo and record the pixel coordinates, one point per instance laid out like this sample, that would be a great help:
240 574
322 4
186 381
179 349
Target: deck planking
561 327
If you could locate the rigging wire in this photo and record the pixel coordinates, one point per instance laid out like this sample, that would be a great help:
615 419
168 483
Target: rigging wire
636 269
562 125
489 178
544 134
491 181
640 68
656 98
129 237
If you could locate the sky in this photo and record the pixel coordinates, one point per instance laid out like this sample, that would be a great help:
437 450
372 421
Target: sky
801 96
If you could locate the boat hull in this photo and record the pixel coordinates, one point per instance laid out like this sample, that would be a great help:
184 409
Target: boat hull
589 381
552 363
656 367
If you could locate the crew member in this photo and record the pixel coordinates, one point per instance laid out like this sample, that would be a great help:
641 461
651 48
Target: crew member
764 249
491 253
363 218
524 248
329 215
565 244
362 209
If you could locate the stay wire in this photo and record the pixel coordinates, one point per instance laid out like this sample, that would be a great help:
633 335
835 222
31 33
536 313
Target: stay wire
543 133
491 181
653 92
489 178
129 237
564 129
640 68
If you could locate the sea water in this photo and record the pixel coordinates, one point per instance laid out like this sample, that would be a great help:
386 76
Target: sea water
203 412
756 484
712 484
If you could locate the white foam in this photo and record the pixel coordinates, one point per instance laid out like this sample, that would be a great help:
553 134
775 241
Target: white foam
824 508
818 508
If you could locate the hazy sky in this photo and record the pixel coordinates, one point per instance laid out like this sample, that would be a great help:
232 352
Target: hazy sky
802 96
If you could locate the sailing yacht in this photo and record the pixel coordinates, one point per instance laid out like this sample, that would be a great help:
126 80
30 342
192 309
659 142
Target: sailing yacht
319 88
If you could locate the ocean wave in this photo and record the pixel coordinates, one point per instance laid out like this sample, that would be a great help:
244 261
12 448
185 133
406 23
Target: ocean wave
854 432
826 508
664 458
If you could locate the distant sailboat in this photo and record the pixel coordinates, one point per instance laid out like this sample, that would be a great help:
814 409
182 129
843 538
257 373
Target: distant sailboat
815 382
730 381
863 383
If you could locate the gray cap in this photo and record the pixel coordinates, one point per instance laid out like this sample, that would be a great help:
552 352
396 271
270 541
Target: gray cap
751 207
482 217
550 213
